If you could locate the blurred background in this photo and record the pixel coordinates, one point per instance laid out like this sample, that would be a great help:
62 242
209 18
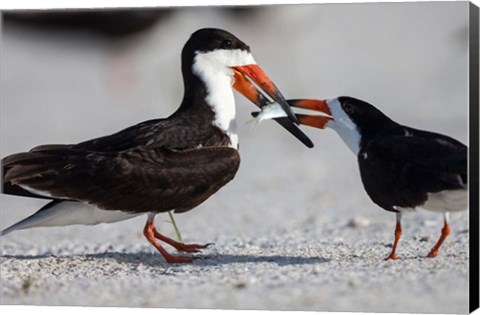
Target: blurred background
68 76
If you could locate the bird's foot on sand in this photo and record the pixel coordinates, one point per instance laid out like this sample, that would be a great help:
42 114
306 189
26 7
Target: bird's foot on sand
190 248
392 256
181 247
433 253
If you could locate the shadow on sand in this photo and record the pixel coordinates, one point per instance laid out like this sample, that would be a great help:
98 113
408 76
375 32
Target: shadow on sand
209 260
155 260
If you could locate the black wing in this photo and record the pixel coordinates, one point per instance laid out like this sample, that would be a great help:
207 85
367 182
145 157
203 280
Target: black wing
136 180
175 132
402 170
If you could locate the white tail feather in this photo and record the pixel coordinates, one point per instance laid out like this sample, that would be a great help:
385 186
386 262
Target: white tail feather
69 213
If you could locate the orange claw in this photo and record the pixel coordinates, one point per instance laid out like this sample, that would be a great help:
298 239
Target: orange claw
187 248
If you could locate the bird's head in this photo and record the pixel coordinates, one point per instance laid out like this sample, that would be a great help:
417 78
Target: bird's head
211 54
351 118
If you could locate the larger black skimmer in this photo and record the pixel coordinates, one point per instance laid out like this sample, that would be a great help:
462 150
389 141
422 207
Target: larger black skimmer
157 165
402 168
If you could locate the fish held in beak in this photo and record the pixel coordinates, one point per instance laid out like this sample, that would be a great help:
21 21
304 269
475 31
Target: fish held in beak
318 121
269 111
260 78
245 87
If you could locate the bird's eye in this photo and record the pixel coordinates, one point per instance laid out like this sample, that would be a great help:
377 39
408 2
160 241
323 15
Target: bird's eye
227 44
348 108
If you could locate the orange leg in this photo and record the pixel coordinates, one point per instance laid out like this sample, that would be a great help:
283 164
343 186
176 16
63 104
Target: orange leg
445 232
149 232
398 234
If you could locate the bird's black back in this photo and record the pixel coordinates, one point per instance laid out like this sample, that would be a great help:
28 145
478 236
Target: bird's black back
401 166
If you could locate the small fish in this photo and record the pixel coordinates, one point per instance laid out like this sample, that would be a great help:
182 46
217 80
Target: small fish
269 111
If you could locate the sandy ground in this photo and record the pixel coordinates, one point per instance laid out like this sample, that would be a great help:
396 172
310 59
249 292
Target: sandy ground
295 229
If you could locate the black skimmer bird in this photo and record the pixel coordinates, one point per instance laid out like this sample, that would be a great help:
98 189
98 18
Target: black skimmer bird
157 165
401 168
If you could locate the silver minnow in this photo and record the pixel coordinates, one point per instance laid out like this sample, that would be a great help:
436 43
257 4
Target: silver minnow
269 111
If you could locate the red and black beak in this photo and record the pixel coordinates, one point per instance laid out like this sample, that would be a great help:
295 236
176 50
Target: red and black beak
260 78
316 121
243 85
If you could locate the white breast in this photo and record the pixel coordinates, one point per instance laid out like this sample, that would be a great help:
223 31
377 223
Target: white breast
213 68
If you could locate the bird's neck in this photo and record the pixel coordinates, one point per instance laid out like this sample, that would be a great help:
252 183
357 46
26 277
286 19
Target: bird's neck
210 90
351 137
344 126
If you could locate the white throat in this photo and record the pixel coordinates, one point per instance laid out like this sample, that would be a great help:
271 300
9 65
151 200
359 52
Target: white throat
344 126
213 68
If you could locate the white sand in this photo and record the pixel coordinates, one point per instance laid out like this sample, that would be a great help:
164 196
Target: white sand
295 229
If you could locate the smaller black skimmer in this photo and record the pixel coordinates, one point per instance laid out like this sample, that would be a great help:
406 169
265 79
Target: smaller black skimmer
157 165
402 168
